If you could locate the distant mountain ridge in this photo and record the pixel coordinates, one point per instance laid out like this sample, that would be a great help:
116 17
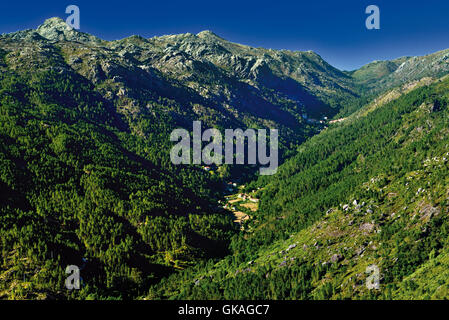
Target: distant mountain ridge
192 77
263 84
302 78
381 75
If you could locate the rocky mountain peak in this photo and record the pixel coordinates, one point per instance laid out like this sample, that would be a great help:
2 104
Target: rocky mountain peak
207 34
56 29
54 23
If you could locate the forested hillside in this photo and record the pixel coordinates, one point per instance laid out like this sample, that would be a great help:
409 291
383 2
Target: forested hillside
78 188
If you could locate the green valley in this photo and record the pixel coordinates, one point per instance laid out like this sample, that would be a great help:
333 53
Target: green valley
86 177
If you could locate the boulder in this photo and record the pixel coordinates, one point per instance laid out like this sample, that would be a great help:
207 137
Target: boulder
336 258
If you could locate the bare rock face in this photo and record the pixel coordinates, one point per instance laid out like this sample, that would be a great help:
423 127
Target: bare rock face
336 258
427 212
367 227
25 35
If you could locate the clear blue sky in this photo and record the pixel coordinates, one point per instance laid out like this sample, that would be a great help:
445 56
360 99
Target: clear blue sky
334 29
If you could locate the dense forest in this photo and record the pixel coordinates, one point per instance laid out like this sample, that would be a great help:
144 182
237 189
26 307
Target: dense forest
76 185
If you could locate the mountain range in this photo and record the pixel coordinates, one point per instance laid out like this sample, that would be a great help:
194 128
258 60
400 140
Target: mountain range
86 178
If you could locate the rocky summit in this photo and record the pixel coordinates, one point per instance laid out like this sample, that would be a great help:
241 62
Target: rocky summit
357 210
56 29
